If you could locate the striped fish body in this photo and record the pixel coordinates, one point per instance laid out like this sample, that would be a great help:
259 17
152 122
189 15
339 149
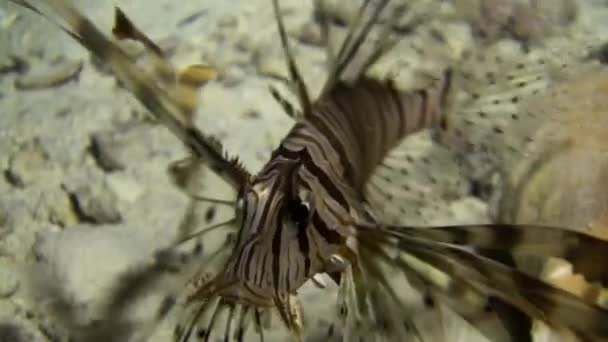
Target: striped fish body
354 126
298 209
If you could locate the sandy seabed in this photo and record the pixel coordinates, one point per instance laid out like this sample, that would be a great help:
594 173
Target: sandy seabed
85 192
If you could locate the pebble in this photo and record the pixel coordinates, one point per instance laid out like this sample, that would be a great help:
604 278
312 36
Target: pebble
270 64
469 210
232 76
28 165
114 150
95 204
245 43
11 63
125 188
339 12
525 21
309 33
11 332
57 208
50 76
226 30
536 20
103 145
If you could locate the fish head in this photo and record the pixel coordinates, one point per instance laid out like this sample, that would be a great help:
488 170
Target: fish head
283 239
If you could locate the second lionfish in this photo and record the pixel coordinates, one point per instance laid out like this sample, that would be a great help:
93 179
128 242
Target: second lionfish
305 213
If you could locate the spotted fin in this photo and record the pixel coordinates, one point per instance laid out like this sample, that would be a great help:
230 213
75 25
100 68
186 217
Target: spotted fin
490 125
415 184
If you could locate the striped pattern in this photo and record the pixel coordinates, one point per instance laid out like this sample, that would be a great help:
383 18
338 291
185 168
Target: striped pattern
328 155
297 209
363 122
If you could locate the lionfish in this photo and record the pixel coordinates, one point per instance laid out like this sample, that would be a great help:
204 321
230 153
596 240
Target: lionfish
306 212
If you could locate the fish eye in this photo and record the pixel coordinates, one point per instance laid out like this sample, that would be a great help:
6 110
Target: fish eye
299 212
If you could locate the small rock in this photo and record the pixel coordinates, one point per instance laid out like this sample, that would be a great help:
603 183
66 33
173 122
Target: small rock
28 164
540 18
56 207
338 12
245 43
232 76
488 18
11 332
125 188
10 63
113 150
469 210
9 280
187 174
95 205
270 64
50 76
226 31
84 262
309 33
102 148
556 13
